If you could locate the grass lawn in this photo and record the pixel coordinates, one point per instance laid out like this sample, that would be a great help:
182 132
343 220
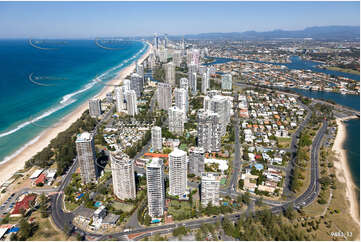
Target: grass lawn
46 231
176 208
125 207
70 206
284 142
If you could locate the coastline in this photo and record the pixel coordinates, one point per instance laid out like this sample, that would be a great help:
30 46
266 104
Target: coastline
343 172
9 168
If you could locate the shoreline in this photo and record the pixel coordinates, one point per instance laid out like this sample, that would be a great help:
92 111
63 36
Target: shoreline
16 163
343 172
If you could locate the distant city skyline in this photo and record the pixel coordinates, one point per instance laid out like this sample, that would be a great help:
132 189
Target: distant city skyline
104 19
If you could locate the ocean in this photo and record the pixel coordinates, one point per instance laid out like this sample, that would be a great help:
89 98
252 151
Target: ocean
44 80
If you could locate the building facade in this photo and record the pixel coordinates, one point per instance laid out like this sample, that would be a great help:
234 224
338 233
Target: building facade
136 84
176 120
119 99
170 73
220 105
177 172
181 100
156 138
95 109
86 157
210 188
155 187
132 103
209 130
164 95
227 82
123 176
196 161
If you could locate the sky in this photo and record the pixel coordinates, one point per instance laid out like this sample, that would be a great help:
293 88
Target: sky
106 19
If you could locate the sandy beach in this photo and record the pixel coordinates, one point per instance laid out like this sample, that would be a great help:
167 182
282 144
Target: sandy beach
343 173
16 163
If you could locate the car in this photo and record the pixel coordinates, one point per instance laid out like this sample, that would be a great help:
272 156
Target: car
214 216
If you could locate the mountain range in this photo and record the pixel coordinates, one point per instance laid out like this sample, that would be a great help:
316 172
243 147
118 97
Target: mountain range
323 33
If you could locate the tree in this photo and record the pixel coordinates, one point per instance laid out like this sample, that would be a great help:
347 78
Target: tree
43 206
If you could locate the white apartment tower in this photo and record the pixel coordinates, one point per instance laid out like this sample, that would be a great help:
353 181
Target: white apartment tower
170 73
193 82
156 138
119 99
132 103
209 130
155 187
227 81
181 100
175 120
196 161
123 176
184 83
164 95
95 109
177 172
210 188
220 105
205 82
86 157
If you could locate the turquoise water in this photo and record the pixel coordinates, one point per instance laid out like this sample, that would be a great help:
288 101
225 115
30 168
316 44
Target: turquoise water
60 80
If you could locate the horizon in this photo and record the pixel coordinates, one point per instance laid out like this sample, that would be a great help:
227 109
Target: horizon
89 20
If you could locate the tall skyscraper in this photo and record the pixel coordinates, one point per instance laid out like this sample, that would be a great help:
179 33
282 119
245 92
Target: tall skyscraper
165 41
140 71
193 82
164 95
119 99
181 100
209 130
177 172
86 157
132 103
156 138
177 58
227 81
155 187
156 41
205 82
95 109
170 73
136 84
176 120
220 105
210 188
163 55
123 176
126 85
184 83
196 161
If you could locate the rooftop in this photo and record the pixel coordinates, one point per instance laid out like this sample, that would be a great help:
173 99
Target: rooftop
83 137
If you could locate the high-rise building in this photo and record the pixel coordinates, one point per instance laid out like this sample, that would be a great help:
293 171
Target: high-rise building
164 95
205 82
86 157
181 100
176 120
209 130
193 82
177 57
155 187
156 138
177 172
119 99
220 105
126 86
196 161
165 40
170 73
95 109
227 81
210 188
132 103
140 71
184 83
163 55
136 84
156 41
123 176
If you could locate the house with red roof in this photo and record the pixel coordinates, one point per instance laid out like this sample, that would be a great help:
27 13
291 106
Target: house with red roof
40 180
23 205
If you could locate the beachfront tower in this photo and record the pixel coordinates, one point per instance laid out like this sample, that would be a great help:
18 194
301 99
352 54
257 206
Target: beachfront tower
175 120
156 138
155 187
136 84
177 172
132 103
119 99
123 176
86 157
210 188
164 95
95 109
